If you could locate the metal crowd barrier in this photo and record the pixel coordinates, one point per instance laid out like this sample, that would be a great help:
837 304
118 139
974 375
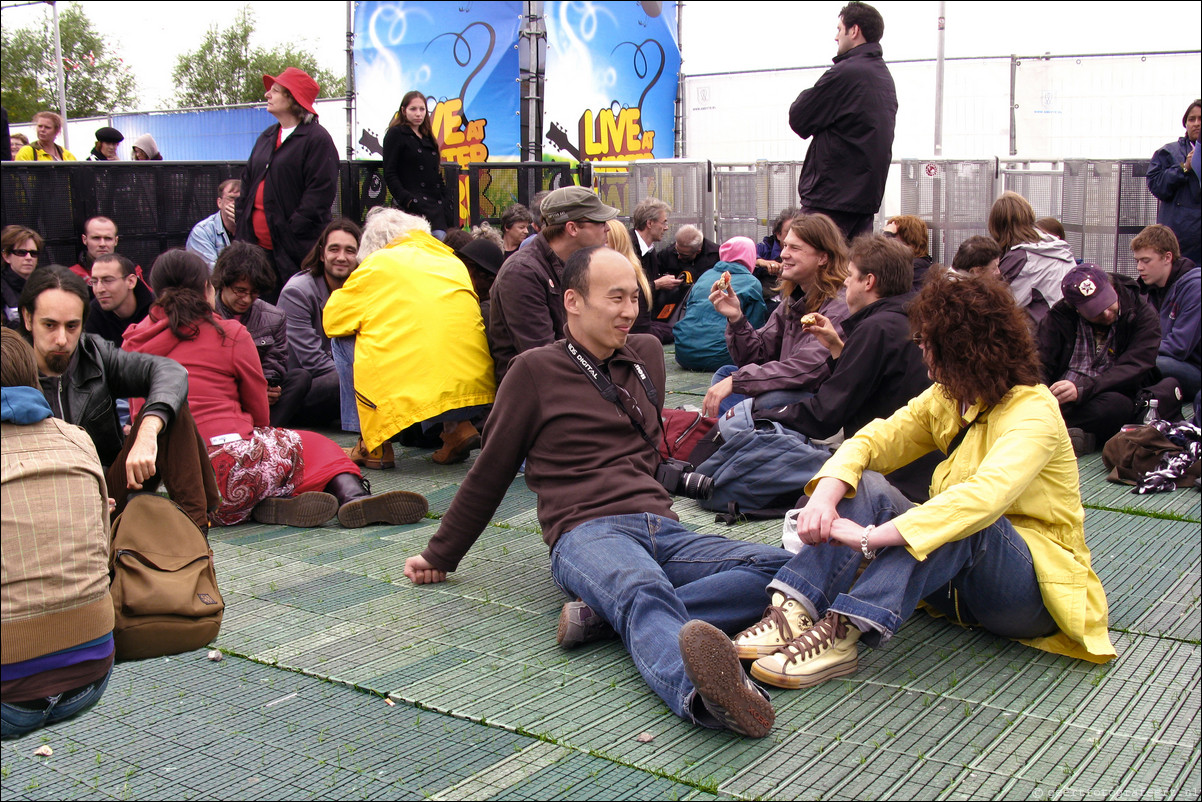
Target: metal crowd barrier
1101 203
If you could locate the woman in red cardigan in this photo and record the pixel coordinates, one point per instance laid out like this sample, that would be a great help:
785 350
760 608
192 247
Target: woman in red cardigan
279 476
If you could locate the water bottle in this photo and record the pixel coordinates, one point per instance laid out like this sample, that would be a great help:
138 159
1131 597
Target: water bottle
1151 415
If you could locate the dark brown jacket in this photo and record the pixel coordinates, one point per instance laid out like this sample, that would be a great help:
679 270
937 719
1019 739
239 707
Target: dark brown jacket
584 458
526 308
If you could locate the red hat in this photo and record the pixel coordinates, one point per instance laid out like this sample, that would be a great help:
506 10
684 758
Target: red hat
298 83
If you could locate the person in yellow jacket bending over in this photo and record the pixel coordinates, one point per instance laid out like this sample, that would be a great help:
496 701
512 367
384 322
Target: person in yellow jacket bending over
420 352
1000 544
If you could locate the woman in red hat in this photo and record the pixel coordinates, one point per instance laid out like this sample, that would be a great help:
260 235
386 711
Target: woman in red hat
412 164
284 209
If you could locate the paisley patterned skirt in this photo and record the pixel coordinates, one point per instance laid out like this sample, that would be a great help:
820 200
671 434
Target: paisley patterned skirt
269 465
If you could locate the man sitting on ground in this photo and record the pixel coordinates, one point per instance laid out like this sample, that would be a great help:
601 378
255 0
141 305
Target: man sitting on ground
1173 285
616 544
241 275
57 612
690 255
1098 349
213 235
527 297
120 298
303 299
875 367
82 375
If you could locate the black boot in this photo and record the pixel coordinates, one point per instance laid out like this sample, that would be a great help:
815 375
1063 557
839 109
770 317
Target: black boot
358 507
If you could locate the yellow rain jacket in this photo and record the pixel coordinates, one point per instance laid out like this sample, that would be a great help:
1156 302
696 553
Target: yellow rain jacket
1016 461
420 348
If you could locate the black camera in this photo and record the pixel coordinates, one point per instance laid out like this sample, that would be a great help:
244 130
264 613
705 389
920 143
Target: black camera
680 478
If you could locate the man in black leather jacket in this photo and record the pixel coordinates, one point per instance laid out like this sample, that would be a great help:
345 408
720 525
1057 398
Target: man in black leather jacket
82 375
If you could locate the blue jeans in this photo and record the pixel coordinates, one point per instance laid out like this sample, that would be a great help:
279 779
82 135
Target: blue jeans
343 351
648 575
21 718
1187 376
986 579
772 398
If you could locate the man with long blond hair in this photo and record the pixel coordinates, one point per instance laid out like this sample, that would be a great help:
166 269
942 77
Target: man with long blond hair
783 358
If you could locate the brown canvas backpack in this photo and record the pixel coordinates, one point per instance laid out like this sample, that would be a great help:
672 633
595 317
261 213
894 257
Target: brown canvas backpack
164 587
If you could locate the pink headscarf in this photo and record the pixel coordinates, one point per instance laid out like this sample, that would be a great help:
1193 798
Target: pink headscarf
738 249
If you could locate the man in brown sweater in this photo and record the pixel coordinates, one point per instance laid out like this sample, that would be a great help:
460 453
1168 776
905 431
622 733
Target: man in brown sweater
615 542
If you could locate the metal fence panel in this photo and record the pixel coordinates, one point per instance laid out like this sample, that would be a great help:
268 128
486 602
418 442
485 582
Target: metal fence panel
1106 203
953 197
1043 188
736 201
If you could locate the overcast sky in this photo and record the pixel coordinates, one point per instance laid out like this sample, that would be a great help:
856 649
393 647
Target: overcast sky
719 36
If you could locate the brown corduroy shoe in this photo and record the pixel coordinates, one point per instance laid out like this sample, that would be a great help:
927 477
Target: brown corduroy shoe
457 444
379 458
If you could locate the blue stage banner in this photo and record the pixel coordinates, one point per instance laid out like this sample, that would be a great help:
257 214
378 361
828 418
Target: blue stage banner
461 55
612 70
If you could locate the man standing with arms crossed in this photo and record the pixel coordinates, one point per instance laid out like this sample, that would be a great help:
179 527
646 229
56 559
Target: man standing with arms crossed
850 113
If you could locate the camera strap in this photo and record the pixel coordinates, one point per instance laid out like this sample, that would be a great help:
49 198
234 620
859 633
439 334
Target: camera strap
597 377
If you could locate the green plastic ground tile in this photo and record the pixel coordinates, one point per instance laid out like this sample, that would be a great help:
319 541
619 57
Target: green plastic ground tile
328 593
1096 491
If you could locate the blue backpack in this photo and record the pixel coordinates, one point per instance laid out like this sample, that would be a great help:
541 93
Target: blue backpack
760 468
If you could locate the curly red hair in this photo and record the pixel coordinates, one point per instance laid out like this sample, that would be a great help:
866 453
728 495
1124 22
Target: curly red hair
977 341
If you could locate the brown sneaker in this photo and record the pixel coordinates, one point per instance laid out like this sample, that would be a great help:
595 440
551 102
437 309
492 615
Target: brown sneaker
579 624
379 458
713 666
394 507
457 444
307 509
825 651
783 621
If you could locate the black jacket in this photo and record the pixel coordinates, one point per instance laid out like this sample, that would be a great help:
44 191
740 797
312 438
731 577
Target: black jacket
1136 341
879 371
671 265
850 113
268 327
413 175
112 328
301 188
11 285
97 374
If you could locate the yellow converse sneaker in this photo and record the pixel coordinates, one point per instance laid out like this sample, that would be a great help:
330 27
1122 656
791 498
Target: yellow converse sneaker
825 651
783 621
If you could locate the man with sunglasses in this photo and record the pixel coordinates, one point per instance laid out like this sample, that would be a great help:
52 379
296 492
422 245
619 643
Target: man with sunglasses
584 414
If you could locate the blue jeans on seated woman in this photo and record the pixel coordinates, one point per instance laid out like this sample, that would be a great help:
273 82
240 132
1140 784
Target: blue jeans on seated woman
648 575
986 579
772 398
21 718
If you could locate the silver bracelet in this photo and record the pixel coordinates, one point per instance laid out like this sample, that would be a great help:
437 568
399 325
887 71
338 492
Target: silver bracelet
868 530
